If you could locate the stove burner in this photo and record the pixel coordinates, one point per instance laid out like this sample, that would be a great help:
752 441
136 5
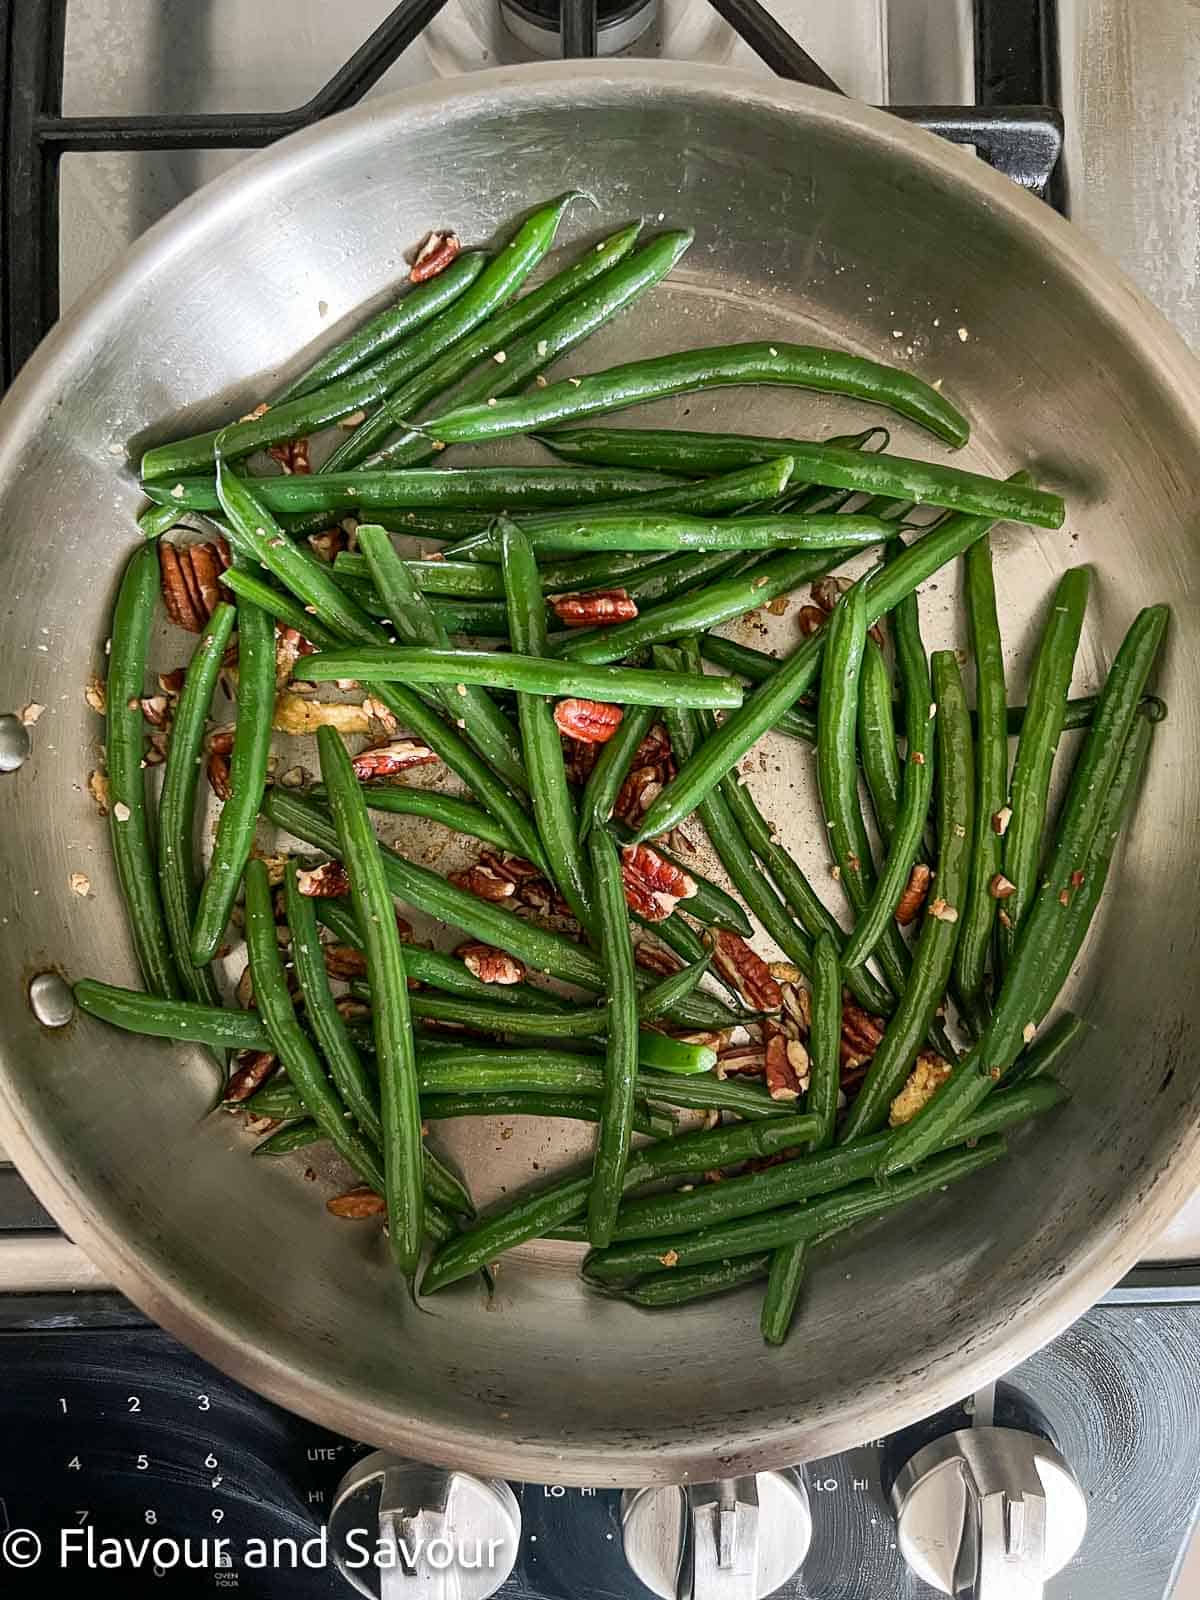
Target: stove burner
538 24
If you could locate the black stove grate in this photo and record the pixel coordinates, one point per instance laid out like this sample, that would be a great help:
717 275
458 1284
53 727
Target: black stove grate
1015 125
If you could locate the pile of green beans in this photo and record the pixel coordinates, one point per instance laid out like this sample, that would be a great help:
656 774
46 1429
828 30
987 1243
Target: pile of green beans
906 1058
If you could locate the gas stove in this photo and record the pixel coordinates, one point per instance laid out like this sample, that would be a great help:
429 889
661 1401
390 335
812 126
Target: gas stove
113 114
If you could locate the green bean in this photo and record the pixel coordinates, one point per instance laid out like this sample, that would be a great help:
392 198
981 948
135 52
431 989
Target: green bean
733 491
541 743
247 780
177 806
605 570
389 326
157 520
621 1053
664 1289
1047 1055
401 1112
289 1041
790 1224
634 530
978 922
523 674
1048 690
876 915
473 488
837 722
279 605
129 825
577 1022
672 576
351 1078
934 957
572 1107
674 987
706 608
498 278
612 767
740 732
477 619
471 578
519 332
828 463
636 382
709 905
482 721
167 1018
293 1136
279 1100
459 815
681 938
531 1215
877 739
1099 797
665 1054
549 339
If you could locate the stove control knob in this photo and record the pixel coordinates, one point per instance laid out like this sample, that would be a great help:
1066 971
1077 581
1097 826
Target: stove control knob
738 1539
400 1529
988 1512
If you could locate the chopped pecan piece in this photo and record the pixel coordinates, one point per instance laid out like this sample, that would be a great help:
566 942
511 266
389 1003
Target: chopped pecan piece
593 720
748 1059
641 788
1001 820
357 1204
344 961
579 757
171 683
156 708
658 959
797 1004
861 1030
190 577
786 1067
923 1083
434 254
156 749
326 882
654 886
382 714
811 619
219 772
329 544
290 645
484 882
253 1069
292 456
1000 887
386 760
826 593
489 964
942 911
913 898
746 970
594 608
295 713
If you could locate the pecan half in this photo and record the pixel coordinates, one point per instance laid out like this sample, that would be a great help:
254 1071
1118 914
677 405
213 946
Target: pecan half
861 1030
357 1204
786 1067
253 1069
490 965
594 608
658 959
434 254
326 882
579 757
641 788
292 456
654 886
923 1083
190 578
746 970
386 760
344 961
913 898
484 882
593 720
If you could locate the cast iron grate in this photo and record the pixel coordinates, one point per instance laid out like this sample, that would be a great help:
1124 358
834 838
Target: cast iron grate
1014 126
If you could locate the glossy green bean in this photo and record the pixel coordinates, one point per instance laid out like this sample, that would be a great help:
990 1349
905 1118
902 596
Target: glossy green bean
473 579
177 805
1099 797
524 675
550 338
575 1022
400 1108
571 1107
612 767
675 987
837 723
293 1136
699 610
665 1289
472 488
635 530
821 462
790 1224
300 415
531 1215
166 1018
1047 1055
664 1054
129 825
157 520
877 739
247 780
404 316
934 957
289 1041
636 382
977 925
458 815
541 742
279 605
621 1040
741 731
1029 790
416 622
